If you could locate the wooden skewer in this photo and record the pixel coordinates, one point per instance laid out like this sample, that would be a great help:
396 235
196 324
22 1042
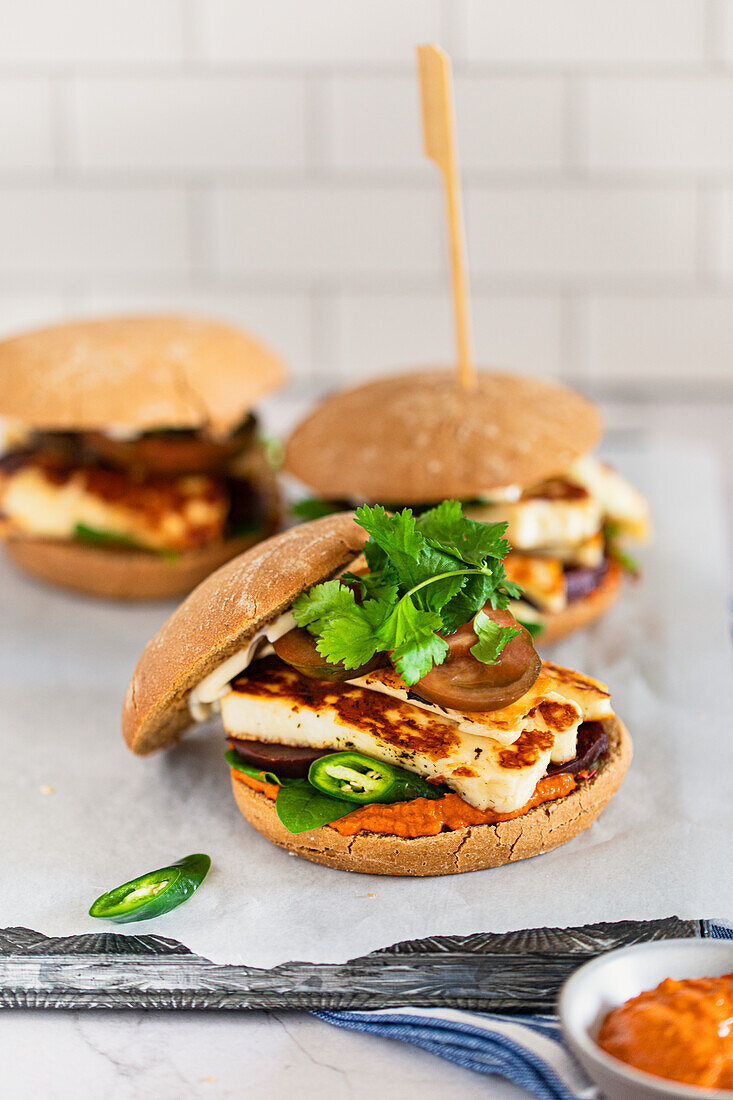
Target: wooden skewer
436 87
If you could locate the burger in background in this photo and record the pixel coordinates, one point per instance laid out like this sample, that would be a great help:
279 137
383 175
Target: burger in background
512 449
132 465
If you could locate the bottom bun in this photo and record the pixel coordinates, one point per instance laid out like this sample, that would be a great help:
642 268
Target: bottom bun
471 849
582 612
123 574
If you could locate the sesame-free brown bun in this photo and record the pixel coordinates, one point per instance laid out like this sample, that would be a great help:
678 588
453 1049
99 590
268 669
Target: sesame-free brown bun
472 849
123 574
220 616
140 372
581 613
419 437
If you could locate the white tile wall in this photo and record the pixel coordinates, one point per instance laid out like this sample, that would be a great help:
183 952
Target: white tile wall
585 32
316 32
505 124
26 123
91 31
66 230
660 125
263 162
559 232
189 123
331 230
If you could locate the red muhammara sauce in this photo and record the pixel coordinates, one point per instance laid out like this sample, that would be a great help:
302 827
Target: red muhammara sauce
682 1031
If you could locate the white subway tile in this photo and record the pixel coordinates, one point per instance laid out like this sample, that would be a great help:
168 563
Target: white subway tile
680 338
374 334
196 123
317 31
19 312
721 230
503 123
724 38
26 134
584 32
96 31
282 321
326 230
667 124
563 232
60 230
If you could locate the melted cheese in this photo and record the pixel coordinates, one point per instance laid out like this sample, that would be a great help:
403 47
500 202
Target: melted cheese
187 512
493 759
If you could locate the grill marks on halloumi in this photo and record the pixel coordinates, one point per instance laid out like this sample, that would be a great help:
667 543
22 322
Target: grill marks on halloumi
41 500
493 760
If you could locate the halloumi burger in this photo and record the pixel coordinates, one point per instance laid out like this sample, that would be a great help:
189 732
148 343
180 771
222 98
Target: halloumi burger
513 449
131 466
385 713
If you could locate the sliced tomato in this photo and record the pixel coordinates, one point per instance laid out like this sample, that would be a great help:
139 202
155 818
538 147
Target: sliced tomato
464 683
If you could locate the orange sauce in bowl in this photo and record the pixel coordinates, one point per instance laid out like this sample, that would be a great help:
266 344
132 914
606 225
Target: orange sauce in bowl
682 1031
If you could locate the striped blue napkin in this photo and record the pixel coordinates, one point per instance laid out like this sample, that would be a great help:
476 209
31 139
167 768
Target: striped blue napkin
527 1050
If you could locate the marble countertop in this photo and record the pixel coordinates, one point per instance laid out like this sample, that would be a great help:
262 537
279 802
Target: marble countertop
173 1056
166 1056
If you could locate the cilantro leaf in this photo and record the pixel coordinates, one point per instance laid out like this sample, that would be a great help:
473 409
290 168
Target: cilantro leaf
313 508
472 542
415 660
410 556
353 634
316 607
491 638
612 532
427 576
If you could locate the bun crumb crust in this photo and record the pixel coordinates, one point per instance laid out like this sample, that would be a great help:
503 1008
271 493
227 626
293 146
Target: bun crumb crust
140 372
472 849
220 616
419 437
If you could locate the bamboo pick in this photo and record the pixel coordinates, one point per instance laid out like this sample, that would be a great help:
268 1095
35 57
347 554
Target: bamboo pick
436 87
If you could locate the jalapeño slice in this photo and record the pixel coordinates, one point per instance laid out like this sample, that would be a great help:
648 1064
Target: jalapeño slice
153 894
356 777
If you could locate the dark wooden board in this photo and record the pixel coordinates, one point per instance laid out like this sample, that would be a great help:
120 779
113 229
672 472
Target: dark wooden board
516 972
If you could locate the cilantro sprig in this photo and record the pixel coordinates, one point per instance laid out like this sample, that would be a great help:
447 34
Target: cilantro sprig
427 576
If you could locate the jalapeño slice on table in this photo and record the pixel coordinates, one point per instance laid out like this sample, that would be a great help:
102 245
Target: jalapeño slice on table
153 894
359 778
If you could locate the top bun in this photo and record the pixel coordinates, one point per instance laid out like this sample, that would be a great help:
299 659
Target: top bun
218 618
418 438
140 372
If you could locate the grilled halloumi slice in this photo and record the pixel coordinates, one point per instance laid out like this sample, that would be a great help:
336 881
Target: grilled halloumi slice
558 701
272 702
590 552
620 501
165 514
538 523
550 520
541 578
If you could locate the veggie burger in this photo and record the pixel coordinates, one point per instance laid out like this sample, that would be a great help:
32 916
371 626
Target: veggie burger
513 449
132 466
384 710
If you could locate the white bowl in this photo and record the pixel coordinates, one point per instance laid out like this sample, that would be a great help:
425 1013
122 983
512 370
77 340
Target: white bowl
606 982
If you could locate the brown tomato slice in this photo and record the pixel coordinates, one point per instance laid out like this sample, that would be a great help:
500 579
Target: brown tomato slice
174 453
298 649
464 683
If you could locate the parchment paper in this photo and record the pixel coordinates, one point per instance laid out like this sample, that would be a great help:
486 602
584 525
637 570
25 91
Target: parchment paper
663 846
